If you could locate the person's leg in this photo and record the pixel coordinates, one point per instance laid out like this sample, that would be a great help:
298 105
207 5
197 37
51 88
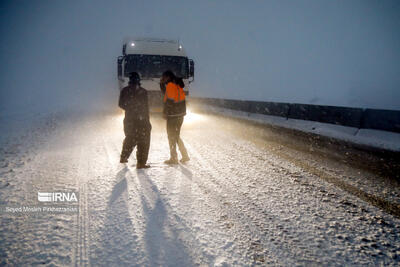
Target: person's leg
143 147
172 137
182 149
180 143
127 147
129 141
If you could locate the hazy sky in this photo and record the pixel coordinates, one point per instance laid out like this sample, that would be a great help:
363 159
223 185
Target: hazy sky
323 52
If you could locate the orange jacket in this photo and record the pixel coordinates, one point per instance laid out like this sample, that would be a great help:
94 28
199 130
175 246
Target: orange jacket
174 92
174 100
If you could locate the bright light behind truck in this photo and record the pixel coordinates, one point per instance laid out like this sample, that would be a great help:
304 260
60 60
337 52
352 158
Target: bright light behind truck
120 117
191 117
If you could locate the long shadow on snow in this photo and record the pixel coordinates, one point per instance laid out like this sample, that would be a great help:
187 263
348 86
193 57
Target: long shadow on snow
163 244
187 172
118 243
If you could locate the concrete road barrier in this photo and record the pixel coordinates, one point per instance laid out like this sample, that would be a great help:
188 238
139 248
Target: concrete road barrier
270 108
328 114
387 120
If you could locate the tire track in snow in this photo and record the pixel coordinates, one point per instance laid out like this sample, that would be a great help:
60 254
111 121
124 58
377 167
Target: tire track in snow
379 202
82 257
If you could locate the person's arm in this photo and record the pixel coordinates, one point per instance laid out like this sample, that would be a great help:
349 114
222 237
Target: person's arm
162 85
146 103
162 88
122 99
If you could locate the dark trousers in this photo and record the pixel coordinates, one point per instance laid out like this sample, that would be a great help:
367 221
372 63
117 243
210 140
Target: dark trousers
136 136
174 125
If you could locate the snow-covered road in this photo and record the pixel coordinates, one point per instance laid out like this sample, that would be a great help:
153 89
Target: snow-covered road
243 199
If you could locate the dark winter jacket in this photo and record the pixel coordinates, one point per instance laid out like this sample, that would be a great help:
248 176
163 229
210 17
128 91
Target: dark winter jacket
134 101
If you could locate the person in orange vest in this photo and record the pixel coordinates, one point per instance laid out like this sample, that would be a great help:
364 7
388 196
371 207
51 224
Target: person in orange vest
174 111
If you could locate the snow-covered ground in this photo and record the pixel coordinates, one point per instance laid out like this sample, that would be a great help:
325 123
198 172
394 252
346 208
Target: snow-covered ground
241 200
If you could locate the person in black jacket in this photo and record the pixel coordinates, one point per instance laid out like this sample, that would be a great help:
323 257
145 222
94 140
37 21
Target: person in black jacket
133 99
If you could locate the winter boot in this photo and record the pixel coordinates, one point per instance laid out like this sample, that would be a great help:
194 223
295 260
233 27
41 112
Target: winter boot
171 161
142 166
185 159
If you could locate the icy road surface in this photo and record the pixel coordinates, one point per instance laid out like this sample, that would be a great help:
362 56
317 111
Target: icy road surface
242 200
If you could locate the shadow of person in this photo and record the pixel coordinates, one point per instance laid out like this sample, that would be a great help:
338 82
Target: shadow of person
116 234
161 235
188 173
120 186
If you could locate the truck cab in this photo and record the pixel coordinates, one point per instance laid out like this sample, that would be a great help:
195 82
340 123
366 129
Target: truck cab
150 57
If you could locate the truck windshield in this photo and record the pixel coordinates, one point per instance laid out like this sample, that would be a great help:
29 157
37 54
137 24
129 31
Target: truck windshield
152 66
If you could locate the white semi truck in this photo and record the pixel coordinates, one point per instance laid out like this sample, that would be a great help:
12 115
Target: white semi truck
150 57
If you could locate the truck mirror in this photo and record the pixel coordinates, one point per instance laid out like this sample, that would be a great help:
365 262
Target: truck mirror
191 68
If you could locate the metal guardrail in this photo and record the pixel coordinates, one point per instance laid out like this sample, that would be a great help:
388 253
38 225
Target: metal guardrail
378 119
